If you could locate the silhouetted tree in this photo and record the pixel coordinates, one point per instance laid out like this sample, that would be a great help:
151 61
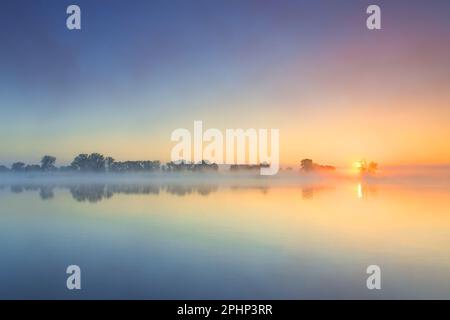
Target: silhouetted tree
80 163
307 165
48 163
151 165
373 167
108 163
204 165
370 168
94 162
177 166
18 166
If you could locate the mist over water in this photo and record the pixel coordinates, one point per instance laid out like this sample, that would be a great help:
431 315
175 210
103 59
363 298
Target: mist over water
187 236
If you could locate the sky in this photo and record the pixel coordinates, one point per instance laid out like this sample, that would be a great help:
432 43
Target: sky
137 70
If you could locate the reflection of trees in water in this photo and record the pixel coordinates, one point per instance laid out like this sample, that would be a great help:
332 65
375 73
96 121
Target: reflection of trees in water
263 189
89 192
45 191
183 190
206 190
95 193
17 189
308 192
133 189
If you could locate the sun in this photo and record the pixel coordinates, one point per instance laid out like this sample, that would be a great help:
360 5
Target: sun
358 165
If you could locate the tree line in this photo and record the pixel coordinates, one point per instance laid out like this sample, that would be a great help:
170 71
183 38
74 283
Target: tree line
96 162
363 167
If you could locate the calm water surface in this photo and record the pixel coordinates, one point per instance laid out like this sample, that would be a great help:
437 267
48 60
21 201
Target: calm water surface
208 241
